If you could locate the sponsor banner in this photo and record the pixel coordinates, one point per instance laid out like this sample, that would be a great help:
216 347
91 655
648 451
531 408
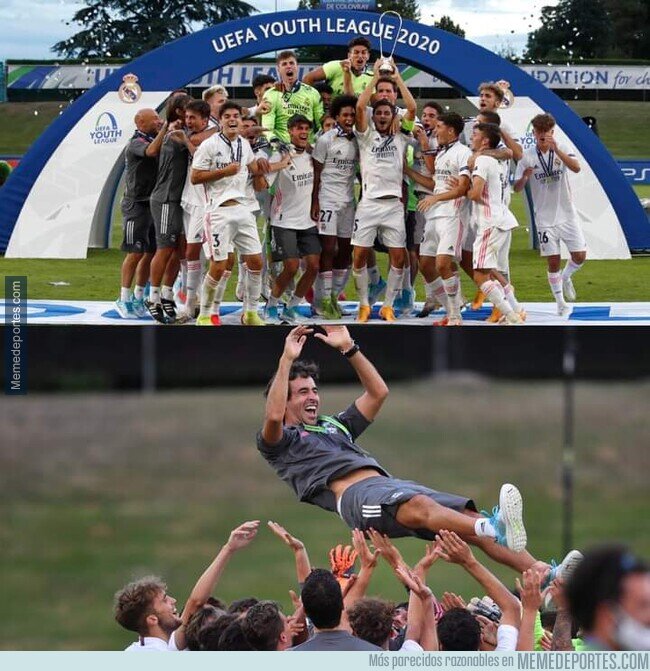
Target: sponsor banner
636 172
241 75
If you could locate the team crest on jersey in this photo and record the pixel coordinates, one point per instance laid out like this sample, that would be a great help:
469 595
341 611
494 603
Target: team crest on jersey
129 91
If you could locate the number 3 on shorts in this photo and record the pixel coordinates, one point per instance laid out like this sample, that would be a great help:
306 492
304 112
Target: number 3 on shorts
216 240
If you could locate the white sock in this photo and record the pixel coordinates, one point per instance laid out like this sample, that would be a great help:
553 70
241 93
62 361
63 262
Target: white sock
451 287
494 293
361 284
509 291
154 294
252 289
394 285
407 285
207 295
183 273
570 268
326 282
339 280
373 275
193 279
125 294
168 293
483 528
138 292
555 282
220 291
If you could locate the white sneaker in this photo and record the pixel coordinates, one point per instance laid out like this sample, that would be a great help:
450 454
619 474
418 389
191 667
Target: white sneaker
564 309
564 571
511 508
568 289
511 319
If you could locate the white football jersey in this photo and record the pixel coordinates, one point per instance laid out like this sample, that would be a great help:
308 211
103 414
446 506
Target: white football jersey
382 161
339 156
291 205
549 186
490 212
218 152
451 161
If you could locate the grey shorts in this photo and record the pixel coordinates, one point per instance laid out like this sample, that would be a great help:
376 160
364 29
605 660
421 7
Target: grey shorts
168 220
139 234
373 503
291 243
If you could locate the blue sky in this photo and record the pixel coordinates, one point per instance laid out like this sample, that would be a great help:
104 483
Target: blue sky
27 30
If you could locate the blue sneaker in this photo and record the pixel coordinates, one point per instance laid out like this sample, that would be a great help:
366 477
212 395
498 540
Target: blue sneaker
139 308
408 301
291 316
565 569
507 519
376 291
125 309
271 314
398 303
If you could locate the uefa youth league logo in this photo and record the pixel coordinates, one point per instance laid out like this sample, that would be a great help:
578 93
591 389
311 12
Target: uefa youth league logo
107 130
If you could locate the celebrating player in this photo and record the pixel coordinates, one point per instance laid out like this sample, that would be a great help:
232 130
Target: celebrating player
546 167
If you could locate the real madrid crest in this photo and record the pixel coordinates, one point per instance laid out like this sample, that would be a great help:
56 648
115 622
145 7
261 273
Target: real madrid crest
129 91
508 95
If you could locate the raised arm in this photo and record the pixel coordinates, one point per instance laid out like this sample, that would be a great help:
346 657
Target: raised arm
375 389
368 562
153 149
456 551
317 75
407 97
276 400
512 144
571 162
531 599
421 619
303 567
239 538
361 120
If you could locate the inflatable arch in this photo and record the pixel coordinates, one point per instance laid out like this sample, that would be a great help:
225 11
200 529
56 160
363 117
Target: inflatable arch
66 183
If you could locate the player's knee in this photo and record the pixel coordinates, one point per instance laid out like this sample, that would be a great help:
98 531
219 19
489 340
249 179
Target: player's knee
579 257
291 266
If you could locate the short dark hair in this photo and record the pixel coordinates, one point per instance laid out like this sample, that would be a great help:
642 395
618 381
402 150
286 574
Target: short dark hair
372 620
260 80
200 107
133 603
299 368
242 605
387 80
229 105
384 103
453 120
263 625
203 616
322 598
340 102
360 42
436 106
598 579
490 117
233 638
283 55
459 630
210 633
298 120
323 87
491 132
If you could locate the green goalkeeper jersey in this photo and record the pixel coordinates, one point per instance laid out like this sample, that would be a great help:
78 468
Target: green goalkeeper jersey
302 99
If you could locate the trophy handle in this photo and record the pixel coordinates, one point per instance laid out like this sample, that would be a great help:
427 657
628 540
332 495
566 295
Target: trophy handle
386 60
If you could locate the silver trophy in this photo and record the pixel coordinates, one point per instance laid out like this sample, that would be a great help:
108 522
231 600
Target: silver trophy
386 67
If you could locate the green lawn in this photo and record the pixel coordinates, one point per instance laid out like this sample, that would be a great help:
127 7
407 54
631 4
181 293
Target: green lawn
97 489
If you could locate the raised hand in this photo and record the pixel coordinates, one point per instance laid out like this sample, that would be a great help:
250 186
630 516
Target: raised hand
342 559
367 558
386 548
295 341
413 583
452 548
450 600
294 543
336 336
488 630
243 535
530 594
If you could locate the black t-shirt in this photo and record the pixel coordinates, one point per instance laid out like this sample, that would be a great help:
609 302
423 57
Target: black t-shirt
140 170
172 172
307 458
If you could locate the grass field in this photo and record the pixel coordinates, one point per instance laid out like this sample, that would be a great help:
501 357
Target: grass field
623 129
99 489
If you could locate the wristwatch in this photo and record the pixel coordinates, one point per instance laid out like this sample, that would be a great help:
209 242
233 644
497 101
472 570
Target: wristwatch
352 351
